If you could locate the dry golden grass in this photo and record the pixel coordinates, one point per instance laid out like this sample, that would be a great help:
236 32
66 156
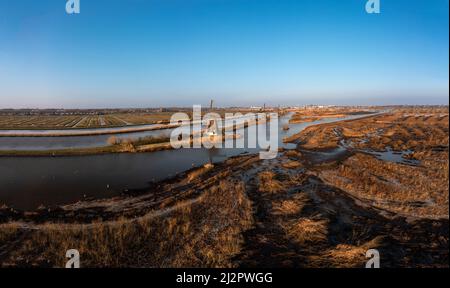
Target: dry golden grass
292 165
314 114
290 206
306 230
281 226
347 132
345 255
417 191
7 232
113 140
192 175
317 137
402 129
293 154
268 182
204 233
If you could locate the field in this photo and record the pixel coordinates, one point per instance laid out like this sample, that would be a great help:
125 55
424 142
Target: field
323 204
80 121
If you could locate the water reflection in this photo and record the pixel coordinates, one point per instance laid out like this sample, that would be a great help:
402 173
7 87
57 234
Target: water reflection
28 182
394 156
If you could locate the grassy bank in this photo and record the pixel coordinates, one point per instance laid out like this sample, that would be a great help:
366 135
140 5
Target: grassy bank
116 145
206 232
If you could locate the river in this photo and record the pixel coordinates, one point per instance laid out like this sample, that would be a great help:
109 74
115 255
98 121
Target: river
28 182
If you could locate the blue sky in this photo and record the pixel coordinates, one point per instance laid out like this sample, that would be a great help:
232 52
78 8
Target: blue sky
144 53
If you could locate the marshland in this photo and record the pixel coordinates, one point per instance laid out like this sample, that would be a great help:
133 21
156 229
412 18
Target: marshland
331 194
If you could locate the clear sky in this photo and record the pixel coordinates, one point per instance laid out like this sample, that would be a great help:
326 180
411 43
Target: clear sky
148 53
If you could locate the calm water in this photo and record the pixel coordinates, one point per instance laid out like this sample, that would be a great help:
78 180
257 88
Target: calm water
28 182
42 143
65 142
394 156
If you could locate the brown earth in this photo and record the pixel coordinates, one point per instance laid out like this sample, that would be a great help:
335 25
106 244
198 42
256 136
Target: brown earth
309 207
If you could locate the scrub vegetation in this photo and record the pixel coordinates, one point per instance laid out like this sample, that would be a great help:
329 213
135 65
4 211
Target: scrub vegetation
323 204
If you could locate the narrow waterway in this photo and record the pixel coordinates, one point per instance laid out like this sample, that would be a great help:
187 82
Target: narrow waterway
28 182
21 140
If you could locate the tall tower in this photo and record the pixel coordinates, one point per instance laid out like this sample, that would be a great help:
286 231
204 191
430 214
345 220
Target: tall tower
211 104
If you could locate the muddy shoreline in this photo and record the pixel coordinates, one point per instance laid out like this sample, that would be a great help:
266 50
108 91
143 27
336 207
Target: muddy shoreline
90 210
320 207
271 238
